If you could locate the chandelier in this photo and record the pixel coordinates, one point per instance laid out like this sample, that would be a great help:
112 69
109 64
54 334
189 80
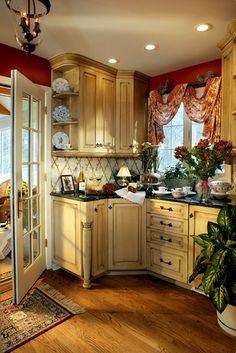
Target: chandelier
28 12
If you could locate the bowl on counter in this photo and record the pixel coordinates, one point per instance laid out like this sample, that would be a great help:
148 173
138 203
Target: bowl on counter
219 186
178 193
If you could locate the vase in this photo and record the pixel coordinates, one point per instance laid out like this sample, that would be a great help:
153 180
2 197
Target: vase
227 320
203 189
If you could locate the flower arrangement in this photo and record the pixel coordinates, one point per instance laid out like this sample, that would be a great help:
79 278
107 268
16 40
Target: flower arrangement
205 158
149 155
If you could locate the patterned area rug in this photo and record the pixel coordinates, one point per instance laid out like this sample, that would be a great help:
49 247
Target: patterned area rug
41 309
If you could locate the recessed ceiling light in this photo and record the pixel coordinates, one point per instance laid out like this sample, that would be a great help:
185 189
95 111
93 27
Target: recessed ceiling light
112 61
203 27
150 46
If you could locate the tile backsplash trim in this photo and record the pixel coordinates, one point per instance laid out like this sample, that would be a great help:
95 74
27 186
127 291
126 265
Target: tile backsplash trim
92 166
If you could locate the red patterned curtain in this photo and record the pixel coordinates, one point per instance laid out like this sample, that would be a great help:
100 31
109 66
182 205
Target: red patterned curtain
206 109
161 113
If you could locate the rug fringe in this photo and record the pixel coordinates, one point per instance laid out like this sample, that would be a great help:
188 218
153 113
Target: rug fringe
58 297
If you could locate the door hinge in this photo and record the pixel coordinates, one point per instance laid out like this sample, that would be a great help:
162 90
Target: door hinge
45 110
45 177
46 243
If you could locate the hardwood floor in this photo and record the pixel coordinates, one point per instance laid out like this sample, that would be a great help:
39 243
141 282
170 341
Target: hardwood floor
132 314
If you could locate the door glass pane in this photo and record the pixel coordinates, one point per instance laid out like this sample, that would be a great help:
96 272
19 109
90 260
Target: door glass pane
25 110
25 180
35 146
35 211
25 146
26 215
35 117
36 243
35 179
27 250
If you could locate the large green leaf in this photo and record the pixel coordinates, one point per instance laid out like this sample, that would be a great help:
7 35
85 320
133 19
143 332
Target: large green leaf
215 232
233 288
209 251
233 256
201 268
231 243
212 278
220 257
226 220
200 258
220 298
202 239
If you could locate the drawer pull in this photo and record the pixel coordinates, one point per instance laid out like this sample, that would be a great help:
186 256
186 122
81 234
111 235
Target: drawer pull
166 262
165 208
166 224
95 209
110 207
191 215
169 240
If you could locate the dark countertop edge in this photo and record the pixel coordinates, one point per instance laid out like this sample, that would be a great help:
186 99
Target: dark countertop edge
188 200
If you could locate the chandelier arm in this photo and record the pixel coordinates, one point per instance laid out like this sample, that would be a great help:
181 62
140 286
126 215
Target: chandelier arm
46 3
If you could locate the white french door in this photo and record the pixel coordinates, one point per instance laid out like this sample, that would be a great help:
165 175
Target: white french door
27 191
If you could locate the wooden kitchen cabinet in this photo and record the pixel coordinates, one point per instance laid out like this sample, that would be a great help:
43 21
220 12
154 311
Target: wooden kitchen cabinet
97 111
228 48
66 234
167 239
131 111
99 238
126 235
198 219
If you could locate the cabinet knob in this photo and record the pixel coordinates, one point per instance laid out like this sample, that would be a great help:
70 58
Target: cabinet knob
110 207
191 215
131 146
166 262
95 210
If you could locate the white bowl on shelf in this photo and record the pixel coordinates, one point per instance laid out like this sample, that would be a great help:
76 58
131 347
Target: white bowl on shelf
219 195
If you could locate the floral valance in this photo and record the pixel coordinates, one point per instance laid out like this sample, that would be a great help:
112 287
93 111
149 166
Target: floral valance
205 109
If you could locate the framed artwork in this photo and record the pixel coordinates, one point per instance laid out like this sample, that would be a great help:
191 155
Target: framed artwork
67 184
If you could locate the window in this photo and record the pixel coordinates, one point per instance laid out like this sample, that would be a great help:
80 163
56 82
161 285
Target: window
180 131
4 149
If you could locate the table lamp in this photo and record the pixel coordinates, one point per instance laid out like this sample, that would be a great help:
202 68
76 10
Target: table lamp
123 174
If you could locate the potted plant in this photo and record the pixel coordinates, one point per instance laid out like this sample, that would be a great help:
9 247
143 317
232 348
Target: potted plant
216 264
178 176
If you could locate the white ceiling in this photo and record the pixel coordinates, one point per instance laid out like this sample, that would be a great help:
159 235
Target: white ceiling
100 29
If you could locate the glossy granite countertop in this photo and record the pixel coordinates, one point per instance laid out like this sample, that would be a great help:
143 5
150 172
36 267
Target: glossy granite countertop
193 200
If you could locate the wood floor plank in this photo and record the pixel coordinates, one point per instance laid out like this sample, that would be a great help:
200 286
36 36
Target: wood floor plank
133 314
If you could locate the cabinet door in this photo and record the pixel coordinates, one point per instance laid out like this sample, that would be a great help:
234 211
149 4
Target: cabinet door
198 220
97 112
99 238
67 242
106 115
126 236
89 83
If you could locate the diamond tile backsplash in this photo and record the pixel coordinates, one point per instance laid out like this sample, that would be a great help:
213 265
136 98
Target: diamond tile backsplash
91 166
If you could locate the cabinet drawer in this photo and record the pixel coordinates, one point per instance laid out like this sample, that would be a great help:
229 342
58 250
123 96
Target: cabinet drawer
167 208
172 264
167 224
174 241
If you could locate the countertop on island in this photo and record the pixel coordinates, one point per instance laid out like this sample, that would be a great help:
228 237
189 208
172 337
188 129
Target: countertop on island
191 200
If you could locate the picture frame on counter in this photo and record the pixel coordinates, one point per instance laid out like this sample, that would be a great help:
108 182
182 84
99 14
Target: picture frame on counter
67 184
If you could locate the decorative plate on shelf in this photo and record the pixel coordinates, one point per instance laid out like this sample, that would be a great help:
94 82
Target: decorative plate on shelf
60 85
60 139
61 113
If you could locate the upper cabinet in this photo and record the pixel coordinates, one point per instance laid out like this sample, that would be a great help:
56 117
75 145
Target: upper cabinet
132 90
103 112
97 111
228 48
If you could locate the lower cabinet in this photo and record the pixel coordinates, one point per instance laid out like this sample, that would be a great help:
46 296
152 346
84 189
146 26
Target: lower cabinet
99 238
198 219
126 235
67 240
167 239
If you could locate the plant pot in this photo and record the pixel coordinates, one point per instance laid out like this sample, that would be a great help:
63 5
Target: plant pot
227 320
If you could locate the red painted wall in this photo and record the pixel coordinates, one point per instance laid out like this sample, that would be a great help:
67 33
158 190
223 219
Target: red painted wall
37 69
187 75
